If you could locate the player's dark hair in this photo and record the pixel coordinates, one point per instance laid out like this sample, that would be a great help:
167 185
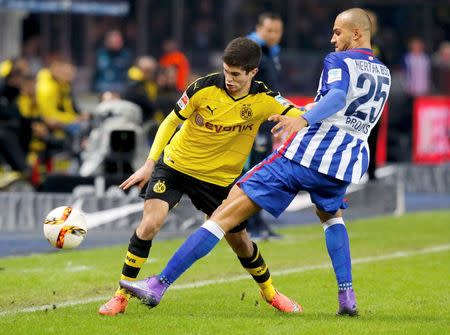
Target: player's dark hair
242 52
268 15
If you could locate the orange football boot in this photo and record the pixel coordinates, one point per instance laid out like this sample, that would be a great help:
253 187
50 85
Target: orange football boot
116 305
284 304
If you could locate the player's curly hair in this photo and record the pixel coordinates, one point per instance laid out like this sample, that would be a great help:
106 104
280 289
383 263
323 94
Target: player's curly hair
242 52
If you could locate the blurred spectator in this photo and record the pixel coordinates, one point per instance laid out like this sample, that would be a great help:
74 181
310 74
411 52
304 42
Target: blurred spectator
269 31
168 93
43 142
142 88
441 68
54 94
60 113
313 32
376 43
204 29
28 109
416 71
173 57
373 138
112 63
31 52
15 131
417 68
17 66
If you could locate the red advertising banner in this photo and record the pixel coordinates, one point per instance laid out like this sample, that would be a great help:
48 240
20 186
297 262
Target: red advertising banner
381 154
431 130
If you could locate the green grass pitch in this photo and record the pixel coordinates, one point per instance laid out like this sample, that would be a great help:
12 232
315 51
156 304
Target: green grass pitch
400 274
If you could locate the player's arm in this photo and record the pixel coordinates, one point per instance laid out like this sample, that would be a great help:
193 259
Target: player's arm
282 108
325 107
277 104
183 109
163 135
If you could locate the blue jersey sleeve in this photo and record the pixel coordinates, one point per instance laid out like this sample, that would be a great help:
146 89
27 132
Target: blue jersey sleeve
330 104
335 74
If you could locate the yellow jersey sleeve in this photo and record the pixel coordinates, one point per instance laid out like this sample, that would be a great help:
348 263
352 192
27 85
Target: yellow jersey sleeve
186 105
277 104
295 112
163 135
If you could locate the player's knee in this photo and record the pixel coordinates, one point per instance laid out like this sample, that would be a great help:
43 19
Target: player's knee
152 221
148 228
324 216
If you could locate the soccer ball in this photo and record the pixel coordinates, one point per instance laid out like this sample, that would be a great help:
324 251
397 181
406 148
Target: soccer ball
65 227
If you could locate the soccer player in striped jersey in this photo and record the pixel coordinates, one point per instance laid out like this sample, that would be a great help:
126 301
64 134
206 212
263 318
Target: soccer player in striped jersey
326 150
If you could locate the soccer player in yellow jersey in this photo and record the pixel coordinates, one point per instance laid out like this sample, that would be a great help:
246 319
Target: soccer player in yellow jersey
221 114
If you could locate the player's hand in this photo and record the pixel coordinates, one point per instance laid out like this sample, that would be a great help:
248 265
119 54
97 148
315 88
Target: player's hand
287 125
140 177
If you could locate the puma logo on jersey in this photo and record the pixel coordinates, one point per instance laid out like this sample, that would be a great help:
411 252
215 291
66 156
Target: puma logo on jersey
210 109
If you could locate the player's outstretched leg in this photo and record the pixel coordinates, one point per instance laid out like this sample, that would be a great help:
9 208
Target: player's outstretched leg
258 269
151 290
137 254
338 246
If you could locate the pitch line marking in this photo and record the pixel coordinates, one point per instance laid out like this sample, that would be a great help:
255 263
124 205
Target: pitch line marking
363 260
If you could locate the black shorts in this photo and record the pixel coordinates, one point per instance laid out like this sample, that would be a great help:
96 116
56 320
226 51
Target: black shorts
168 184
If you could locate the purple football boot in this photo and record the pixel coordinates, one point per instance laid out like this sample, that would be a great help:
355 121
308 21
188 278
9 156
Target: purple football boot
347 303
149 290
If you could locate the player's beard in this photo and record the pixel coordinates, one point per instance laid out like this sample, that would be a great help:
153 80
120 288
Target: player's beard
345 46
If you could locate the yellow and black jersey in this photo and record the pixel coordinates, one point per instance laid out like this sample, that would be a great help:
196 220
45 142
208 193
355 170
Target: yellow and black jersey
54 98
218 130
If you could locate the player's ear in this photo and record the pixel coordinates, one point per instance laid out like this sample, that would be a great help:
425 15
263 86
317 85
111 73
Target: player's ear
356 34
254 72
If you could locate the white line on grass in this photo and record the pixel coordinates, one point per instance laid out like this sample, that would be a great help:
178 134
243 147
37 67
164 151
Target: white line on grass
398 254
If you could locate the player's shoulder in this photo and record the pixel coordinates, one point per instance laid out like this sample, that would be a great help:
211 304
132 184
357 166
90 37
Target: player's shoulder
270 96
258 87
336 55
210 80
335 59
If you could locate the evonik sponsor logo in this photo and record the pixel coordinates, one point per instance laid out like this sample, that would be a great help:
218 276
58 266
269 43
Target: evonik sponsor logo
220 128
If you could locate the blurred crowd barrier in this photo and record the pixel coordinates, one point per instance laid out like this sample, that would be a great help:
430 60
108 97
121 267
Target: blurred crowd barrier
110 209
113 210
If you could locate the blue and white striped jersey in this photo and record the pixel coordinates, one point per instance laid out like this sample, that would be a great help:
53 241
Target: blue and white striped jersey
337 146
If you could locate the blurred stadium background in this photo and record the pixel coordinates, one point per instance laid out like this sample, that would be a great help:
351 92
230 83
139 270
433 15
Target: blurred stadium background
75 149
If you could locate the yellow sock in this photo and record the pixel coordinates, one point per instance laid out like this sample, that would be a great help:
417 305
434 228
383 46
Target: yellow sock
123 292
135 258
268 290
256 266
